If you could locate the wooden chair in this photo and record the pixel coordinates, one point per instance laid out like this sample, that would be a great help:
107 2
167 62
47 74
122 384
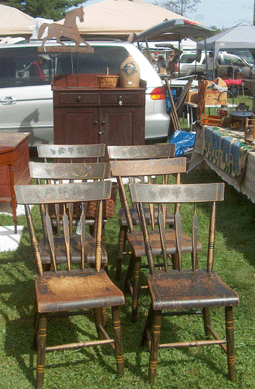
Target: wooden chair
190 289
159 169
71 291
72 153
140 152
49 173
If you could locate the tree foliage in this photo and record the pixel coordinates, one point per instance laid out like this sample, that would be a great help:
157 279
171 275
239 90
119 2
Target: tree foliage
50 9
181 7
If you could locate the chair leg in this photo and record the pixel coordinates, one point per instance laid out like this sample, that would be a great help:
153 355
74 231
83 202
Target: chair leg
41 344
99 322
154 346
207 320
230 342
146 337
135 296
118 340
121 248
130 270
104 316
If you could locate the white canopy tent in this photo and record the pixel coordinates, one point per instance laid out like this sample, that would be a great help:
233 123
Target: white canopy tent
120 18
14 22
240 36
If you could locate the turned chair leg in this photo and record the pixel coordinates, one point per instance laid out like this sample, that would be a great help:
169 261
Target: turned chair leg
130 271
154 346
99 322
121 249
207 320
118 340
230 342
136 282
41 344
146 337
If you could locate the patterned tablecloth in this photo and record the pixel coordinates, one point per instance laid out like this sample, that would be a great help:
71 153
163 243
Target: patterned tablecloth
226 152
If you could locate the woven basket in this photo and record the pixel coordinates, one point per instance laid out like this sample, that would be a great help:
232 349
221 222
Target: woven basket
107 81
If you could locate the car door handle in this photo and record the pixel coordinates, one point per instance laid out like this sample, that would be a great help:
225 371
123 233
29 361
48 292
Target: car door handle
8 100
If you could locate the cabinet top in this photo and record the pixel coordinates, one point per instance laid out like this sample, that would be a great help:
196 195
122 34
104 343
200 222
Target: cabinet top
10 141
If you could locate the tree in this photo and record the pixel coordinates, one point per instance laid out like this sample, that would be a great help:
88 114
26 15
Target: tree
181 7
50 9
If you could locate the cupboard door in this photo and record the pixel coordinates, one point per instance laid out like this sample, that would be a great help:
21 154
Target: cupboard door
76 126
122 126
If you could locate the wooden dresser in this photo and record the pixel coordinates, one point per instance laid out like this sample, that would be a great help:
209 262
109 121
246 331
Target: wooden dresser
87 114
14 169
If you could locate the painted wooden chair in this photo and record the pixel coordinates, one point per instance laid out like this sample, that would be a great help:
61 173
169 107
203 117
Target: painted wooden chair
55 173
135 152
72 290
72 153
184 291
160 170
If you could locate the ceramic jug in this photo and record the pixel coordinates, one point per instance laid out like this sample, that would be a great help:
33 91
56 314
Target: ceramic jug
129 73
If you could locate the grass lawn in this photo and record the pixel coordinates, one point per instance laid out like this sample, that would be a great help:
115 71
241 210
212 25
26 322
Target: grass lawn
193 368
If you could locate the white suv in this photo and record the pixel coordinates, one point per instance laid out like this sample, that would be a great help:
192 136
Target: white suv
28 107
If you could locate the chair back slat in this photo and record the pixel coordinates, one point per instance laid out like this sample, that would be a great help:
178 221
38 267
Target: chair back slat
144 168
211 238
67 171
64 194
194 239
149 167
146 237
162 235
180 194
193 193
34 241
141 151
178 237
66 227
71 152
50 238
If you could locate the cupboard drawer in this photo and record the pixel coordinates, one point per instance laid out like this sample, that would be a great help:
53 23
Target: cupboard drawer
78 98
125 99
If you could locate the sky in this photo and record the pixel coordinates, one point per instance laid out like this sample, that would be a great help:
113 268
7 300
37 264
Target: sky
218 13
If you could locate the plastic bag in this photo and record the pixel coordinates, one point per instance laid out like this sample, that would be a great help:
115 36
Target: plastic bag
183 140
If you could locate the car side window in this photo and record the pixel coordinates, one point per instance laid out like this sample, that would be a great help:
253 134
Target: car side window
15 64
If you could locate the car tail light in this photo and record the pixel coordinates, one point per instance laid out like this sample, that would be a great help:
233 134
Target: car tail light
158 93
176 67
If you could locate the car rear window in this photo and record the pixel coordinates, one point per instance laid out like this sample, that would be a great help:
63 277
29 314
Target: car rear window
15 63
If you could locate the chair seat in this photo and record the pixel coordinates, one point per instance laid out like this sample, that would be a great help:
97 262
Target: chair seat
188 289
75 250
136 220
136 241
64 291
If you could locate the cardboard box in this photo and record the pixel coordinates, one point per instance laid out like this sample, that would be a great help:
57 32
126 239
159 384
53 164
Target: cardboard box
210 94
192 96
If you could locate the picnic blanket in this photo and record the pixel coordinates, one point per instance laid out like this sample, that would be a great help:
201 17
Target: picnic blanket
227 151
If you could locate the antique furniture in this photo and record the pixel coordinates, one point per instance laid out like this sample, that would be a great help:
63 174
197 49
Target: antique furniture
184 291
14 159
161 169
81 153
76 153
55 173
87 114
139 152
71 291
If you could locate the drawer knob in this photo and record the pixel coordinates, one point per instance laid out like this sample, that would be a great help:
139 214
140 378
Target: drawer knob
103 122
100 133
120 100
95 123
78 99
